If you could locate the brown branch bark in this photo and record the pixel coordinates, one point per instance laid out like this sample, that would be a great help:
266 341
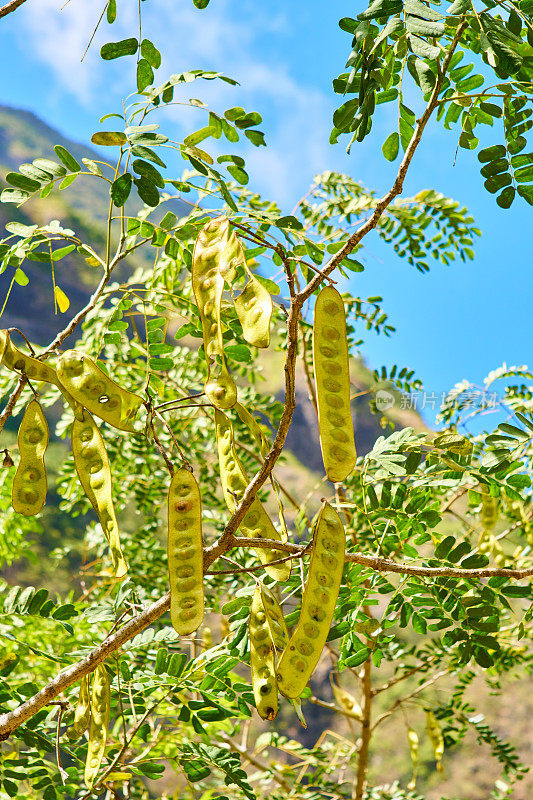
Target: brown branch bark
12 719
9 7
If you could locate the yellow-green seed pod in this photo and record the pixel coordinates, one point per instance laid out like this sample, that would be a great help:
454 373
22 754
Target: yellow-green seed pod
332 376
4 335
256 523
413 749
489 509
29 484
275 619
253 427
82 714
215 256
262 660
100 709
263 446
185 553
92 465
346 701
436 738
96 391
301 655
14 359
254 310
224 628
489 545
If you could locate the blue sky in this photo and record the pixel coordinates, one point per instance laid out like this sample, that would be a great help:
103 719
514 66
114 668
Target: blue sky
457 322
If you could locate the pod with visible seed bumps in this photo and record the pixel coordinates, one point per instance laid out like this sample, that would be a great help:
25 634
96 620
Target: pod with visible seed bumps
216 253
275 619
332 376
100 709
185 553
96 391
256 523
82 714
489 509
254 309
436 738
29 484
262 660
301 655
92 465
35 370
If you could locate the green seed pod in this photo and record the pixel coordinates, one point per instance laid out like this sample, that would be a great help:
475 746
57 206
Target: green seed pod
224 628
254 309
82 713
436 738
207 638
29 484
489 509
14 359
332 376
253 427
263 446
301 655
185 553
92 465
96 391
412 735
346 701
275 619
262 660
256 523
214 259
100 709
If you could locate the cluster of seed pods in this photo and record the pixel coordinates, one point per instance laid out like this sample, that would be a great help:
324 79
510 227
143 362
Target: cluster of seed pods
301 655
332 375
256 523
100 710
29 484
262 662
185 553
97 392
215 256
92 465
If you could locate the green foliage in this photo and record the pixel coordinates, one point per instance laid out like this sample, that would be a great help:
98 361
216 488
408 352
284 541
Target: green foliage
424 602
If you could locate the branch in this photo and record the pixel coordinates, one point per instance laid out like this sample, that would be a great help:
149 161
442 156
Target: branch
11 6
264 473
10 405
12 719
397 186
